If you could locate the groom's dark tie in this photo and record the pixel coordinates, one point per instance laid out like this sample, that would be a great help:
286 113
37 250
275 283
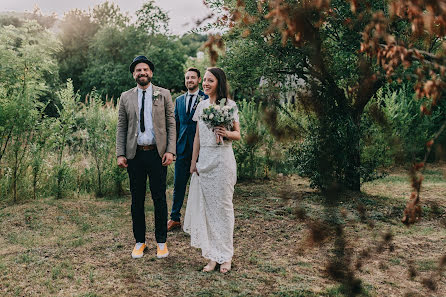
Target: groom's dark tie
141 113
190 104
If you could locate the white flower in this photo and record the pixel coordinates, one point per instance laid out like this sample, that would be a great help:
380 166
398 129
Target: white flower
205 116
156 94
211 116
217 107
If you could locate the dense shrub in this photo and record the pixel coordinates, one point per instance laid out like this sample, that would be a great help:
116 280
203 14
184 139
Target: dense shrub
253 133
324 154
412 128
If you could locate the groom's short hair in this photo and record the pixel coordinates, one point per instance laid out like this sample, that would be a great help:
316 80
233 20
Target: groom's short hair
194 70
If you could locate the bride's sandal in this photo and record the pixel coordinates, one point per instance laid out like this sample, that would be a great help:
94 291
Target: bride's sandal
225 267
209 267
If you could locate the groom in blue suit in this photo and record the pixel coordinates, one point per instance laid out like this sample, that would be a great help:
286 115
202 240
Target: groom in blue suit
185 106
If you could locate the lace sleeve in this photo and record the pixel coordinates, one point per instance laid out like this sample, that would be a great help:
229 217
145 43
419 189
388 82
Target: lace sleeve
236 117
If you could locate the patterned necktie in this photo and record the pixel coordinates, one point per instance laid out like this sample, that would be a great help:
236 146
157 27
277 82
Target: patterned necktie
141 113
189 105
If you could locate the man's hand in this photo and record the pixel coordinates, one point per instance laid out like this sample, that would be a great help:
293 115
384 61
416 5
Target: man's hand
167 159
122 162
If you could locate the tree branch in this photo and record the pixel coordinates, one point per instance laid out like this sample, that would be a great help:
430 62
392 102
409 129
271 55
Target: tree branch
426 55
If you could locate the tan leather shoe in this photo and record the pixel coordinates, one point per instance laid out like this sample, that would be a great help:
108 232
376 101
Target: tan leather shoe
173 225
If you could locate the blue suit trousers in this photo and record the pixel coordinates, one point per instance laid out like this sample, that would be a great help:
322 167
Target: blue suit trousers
182 174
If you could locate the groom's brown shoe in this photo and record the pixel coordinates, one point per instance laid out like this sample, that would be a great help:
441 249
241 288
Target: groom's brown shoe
173 225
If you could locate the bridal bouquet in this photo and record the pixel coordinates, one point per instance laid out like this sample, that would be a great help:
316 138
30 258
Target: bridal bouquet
218 115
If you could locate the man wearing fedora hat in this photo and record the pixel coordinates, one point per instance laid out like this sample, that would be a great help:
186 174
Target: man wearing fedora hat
145 145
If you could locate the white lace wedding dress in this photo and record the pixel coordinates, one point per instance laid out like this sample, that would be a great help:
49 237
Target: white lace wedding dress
209 217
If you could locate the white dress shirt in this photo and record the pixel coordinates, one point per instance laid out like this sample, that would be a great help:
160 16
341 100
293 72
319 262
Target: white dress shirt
148 136
191 96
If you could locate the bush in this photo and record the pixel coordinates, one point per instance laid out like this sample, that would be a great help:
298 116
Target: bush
63 180
324 155
379 146
254 137
411 127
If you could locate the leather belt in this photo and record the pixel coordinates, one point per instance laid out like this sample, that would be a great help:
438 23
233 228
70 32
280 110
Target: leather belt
149 147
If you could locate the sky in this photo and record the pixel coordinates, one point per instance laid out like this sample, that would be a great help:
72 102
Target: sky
182 13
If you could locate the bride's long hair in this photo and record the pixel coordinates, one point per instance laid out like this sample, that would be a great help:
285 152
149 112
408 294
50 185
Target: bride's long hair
222 84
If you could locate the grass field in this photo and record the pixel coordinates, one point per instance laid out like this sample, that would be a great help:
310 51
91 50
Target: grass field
80 246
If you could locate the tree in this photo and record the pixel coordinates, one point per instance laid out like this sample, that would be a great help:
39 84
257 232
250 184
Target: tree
6 20
62 132
109 14
169 57
77 31
324 54
152 18
46 21
99 143
193 42
27 56
110 54
325 44
112 50
17 19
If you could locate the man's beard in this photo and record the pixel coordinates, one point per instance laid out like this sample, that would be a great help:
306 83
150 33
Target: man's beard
143 82
192 87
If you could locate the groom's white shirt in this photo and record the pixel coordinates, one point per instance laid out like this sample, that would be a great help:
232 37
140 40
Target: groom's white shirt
193 98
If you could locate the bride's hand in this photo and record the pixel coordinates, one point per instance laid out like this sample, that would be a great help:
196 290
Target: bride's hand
221 131
193 168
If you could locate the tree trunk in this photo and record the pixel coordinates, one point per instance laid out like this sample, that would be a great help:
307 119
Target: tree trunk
99 184
14 176
35 178
352 172
2 153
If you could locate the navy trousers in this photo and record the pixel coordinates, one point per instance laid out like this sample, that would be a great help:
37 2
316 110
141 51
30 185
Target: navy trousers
148 163
182 174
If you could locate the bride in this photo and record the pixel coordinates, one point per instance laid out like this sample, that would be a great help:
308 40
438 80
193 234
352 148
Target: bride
209 217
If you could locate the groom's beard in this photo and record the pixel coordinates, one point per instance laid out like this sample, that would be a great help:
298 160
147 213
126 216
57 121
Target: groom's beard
192 86
143 82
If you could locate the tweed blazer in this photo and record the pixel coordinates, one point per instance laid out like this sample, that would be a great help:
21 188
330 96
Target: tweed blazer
162 117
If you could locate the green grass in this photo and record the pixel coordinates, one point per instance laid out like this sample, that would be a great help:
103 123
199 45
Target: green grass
81 244
427 264
62 270
430 176
24 258
3 269
395 261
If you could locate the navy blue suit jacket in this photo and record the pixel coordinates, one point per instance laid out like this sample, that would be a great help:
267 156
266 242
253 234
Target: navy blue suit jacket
186 127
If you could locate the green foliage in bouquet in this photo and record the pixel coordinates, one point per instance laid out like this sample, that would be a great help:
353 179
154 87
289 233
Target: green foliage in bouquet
218 115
